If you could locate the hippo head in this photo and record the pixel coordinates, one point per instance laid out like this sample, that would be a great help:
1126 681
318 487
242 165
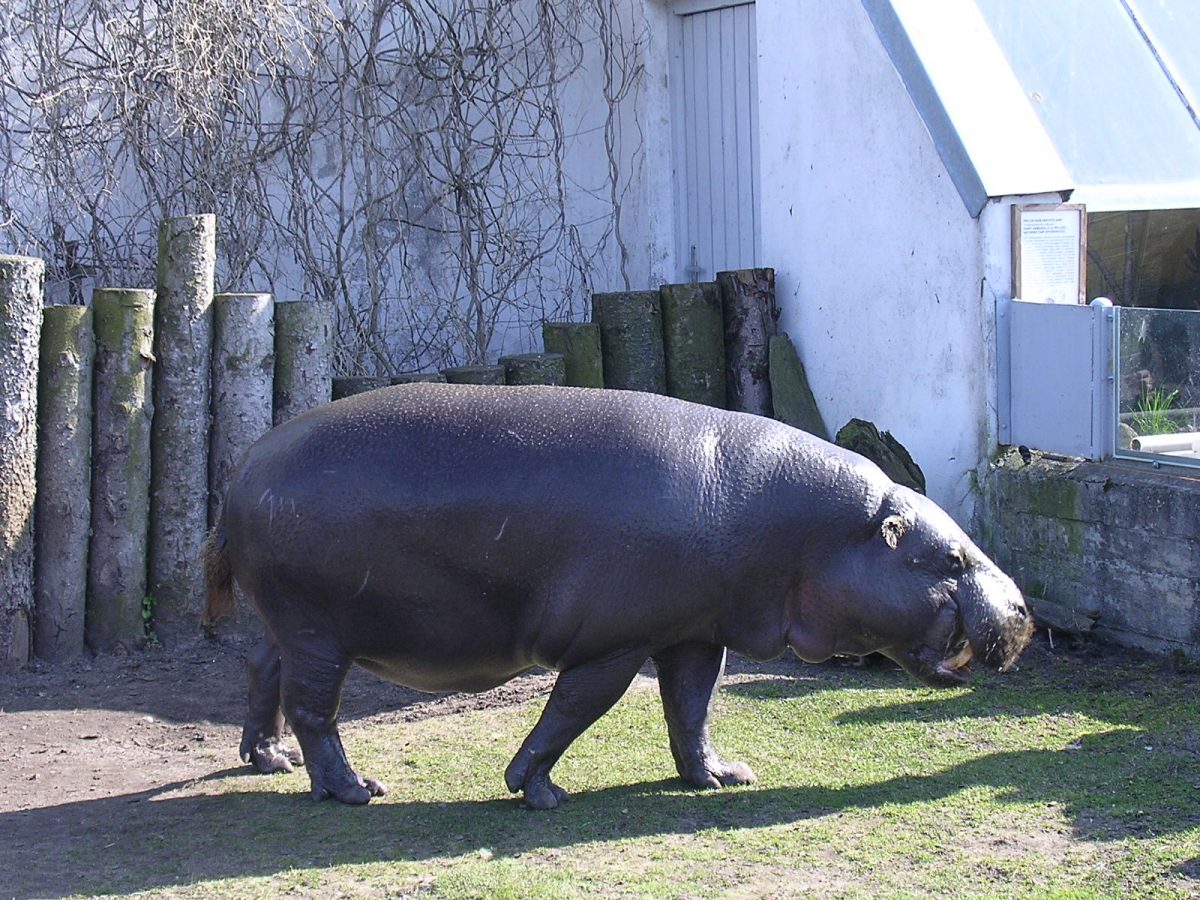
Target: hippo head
915 588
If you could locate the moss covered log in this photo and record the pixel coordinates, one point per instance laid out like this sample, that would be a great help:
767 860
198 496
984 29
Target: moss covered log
64 498
123 408
884 450
694 342
22 281
418 378
350 385
179 443
303 357
535 368
579 343
474 374
791 398
631 338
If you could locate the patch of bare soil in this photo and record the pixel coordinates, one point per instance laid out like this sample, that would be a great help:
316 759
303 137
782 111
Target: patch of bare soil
116 725
102 733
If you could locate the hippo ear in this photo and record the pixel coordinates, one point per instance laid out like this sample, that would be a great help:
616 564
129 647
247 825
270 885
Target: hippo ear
894 528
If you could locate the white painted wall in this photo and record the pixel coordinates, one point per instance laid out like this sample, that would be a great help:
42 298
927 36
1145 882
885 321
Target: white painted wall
887 285
643 191
878 264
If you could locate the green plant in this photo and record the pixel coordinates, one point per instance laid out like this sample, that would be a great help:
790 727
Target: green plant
148 603
1153 413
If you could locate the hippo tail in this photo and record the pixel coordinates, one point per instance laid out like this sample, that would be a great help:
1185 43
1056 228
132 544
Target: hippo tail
218 576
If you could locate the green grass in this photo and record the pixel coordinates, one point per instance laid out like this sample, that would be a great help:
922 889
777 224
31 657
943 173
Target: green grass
1068 778
1154 412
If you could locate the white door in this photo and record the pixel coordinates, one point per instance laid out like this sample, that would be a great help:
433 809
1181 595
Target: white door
715 136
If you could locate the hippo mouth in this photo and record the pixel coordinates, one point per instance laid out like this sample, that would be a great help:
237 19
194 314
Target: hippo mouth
957 665
943 664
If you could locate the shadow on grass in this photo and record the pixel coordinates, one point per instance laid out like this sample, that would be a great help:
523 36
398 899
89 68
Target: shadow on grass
164 839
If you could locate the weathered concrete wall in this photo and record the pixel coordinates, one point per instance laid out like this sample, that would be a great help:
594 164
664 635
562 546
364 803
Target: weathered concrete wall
878 263
1119 542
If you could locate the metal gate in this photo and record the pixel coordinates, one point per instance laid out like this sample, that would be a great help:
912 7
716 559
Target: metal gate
715 137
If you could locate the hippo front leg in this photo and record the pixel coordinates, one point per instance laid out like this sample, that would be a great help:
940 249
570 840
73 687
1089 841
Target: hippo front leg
688 677
581 695
262 734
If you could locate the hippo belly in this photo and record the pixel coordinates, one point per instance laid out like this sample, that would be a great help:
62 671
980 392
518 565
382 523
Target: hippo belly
452 537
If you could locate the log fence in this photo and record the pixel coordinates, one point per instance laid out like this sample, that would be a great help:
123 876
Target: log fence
121 423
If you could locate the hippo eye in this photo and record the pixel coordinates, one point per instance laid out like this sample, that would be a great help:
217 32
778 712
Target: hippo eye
955 561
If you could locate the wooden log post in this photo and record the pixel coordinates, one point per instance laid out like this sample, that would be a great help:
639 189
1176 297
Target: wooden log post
243 369
694 342
791 397
579 343
535 368
179 441
865 439
418 378
123 408
357 384
303 357
474 374
748 301
64 497
631 340
22 286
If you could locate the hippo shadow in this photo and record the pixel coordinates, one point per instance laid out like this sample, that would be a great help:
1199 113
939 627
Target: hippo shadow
159 838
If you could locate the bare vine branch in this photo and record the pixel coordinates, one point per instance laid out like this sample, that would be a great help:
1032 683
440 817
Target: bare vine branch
403 159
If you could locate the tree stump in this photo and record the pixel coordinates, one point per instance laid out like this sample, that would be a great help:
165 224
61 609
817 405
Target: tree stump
631 340
22 284
883 450
418 378
535 368
579 343
474 374
179 441
357 384
123 409
243 368
694 342
748 302
303 357
791 398
64 472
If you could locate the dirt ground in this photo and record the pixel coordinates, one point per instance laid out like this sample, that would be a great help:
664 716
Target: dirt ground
118 725
102 733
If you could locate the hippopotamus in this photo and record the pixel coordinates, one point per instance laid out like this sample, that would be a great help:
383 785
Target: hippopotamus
453 537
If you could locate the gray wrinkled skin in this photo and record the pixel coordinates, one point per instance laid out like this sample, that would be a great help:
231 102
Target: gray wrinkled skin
450 537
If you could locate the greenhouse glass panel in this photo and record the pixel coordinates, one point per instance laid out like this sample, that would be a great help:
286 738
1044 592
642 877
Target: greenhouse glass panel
1098 89
1157 358
1173 26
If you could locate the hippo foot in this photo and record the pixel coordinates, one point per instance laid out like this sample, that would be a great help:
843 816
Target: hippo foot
539 791
355 793
719 773
542 793
270 755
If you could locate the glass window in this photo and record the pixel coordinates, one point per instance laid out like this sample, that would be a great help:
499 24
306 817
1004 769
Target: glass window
1157 362
1148 258
1099 89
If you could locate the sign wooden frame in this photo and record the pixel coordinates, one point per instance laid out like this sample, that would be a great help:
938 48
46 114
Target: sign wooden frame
1049 252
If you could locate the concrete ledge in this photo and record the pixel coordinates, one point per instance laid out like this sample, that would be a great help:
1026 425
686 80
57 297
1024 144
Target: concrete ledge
1119 540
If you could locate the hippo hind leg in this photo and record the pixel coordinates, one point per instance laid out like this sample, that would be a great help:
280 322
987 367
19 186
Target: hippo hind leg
688 677
581 695
312 680
262 735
